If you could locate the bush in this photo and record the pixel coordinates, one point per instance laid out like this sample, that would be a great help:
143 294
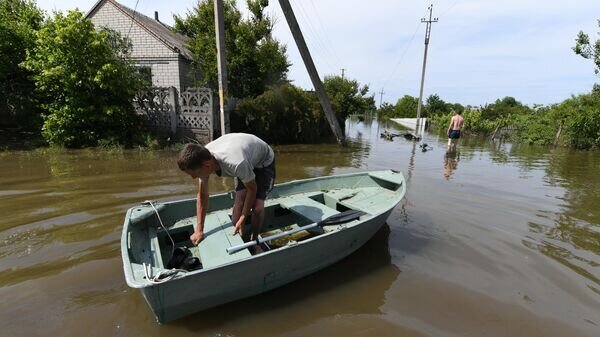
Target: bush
19 20
85 84
285 114
581 115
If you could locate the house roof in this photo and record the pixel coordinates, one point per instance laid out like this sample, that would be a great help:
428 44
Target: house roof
164 33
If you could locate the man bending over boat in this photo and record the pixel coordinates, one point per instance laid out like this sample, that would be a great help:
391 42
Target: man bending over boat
245 157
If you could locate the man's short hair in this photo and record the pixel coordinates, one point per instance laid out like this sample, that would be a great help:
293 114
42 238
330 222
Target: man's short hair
192 156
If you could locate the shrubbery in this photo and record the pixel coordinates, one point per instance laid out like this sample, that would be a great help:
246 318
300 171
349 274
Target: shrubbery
84 82
285 114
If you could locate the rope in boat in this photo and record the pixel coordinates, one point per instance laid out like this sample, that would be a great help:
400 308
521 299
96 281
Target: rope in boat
163 275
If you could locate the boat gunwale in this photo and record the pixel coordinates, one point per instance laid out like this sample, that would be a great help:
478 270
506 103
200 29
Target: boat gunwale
127 264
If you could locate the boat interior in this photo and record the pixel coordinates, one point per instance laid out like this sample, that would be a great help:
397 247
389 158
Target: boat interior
284 211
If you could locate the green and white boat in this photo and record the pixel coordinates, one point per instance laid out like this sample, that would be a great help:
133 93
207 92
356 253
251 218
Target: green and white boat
309 225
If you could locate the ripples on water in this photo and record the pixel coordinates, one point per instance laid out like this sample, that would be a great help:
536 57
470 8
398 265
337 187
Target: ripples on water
494 240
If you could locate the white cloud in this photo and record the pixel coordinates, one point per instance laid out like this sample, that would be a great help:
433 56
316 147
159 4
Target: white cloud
480 50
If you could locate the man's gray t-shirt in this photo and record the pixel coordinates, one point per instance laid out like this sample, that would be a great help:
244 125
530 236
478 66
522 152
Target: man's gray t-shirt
238 154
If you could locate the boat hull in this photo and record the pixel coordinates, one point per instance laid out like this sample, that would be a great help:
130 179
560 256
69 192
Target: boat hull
181 297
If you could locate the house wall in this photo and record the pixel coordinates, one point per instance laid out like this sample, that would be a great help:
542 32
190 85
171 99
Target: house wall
147 50
185 73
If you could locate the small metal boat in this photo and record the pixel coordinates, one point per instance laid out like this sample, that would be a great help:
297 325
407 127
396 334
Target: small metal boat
309 225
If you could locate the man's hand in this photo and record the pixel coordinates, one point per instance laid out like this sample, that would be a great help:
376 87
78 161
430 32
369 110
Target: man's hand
197 237
239 225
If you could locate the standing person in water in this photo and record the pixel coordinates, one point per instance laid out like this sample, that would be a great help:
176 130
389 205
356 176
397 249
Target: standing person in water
245 157
457 124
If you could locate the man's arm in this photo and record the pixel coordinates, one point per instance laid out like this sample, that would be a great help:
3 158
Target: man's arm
450 126
248 204
201 208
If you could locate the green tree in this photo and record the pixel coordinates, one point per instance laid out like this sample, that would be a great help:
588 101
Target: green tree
255 60
406 107
503 108
85 84
587 49
581 116
284 114
436 106
19 20
348 97
386 110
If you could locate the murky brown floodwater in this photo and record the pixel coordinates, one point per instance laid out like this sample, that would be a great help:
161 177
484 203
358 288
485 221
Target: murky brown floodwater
500 240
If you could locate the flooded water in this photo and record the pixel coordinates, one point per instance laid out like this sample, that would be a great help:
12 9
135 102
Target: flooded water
497 240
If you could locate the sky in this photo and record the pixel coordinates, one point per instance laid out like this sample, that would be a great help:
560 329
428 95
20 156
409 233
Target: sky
479 51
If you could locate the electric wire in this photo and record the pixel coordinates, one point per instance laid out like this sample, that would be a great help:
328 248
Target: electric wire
315 38
132 17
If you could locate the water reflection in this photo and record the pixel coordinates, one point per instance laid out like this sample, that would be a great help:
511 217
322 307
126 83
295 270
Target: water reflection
451 159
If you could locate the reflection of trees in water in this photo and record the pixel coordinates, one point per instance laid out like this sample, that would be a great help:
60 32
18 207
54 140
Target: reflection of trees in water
571 236
78 196
578 223
311 160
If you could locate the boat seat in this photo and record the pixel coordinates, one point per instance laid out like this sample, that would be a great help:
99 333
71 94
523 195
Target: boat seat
370 200
218 237
307 207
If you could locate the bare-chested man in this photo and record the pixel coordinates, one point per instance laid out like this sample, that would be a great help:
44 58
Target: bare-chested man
457 124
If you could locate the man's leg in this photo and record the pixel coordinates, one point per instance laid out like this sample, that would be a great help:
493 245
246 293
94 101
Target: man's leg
258 217
238 206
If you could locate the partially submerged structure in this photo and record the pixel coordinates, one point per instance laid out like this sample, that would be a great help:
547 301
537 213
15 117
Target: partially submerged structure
158 51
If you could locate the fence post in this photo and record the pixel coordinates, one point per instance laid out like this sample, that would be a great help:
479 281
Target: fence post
174 106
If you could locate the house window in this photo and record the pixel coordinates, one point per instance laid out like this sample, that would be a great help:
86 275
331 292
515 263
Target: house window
145 73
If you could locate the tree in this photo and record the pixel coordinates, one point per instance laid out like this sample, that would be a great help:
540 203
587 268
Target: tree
587 50
386 110
436 106
503 108
406 107
284 114
19 20
255 60
84 82
348 97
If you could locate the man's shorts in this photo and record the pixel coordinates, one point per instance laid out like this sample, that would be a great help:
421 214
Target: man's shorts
454 134
265 179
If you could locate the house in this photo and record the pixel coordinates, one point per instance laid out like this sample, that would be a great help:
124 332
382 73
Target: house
160 53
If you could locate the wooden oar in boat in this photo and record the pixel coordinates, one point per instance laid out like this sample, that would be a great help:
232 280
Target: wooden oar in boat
335 219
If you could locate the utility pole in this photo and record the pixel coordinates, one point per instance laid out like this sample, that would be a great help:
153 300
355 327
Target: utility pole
343 69
221 64
427 34
312 70
381 97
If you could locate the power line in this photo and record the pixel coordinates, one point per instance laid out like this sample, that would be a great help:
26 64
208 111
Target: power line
132 18
391 74
317 39
325 32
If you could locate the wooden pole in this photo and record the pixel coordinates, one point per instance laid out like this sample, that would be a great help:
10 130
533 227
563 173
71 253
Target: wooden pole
557 137
312 70
221 64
